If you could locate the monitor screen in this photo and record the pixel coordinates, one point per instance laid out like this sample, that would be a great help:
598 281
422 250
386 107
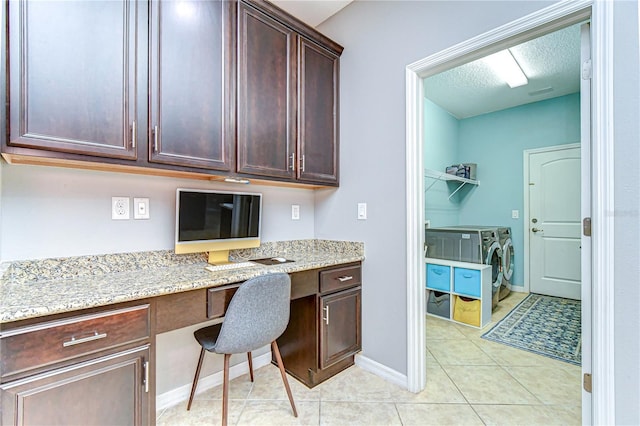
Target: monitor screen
216 220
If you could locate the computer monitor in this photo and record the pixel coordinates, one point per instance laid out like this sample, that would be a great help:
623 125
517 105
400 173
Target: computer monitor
216 221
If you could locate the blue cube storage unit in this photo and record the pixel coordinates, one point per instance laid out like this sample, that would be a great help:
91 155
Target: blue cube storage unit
438 277
466 281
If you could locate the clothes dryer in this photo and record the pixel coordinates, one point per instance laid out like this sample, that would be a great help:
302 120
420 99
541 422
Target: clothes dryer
508 259
473 244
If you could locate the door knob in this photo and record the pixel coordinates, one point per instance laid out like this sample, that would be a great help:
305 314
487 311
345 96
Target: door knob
536 230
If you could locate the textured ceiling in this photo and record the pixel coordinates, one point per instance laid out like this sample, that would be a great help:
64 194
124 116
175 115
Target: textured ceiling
312 12
551 63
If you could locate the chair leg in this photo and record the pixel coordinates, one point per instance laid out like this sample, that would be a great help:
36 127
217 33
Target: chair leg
225 390
195 379
276 351
250 365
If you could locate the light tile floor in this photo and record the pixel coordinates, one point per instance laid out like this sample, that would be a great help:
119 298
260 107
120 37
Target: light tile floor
470 381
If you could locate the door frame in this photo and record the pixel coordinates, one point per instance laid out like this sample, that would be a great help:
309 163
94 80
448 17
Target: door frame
536 24
526 154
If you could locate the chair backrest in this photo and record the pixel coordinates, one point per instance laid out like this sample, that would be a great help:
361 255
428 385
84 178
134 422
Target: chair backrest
257 314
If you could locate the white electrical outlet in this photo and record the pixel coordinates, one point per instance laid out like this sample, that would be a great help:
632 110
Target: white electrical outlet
119 208
141 208
295 212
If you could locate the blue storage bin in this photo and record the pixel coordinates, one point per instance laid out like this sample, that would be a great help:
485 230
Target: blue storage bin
438 277
466 281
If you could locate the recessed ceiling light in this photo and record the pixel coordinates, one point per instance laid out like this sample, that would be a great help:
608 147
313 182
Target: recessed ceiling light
504 64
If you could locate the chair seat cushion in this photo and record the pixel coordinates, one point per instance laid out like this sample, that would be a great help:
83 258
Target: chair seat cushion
207 336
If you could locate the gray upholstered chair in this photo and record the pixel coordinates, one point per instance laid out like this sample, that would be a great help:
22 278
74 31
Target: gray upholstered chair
257 315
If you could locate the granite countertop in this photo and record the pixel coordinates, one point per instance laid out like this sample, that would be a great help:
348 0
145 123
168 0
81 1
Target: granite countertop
31 289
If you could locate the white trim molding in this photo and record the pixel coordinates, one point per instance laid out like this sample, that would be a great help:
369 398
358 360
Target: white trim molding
181 394
544 21
602 220
380 370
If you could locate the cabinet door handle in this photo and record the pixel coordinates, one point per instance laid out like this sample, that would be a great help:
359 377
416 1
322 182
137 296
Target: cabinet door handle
146 377
155 139
302 163
345 278
467 275
292 165
133 134
74 341
326 319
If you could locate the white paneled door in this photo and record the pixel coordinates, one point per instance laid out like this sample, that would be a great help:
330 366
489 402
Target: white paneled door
555 222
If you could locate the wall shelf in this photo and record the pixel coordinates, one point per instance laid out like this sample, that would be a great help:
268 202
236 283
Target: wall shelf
437 176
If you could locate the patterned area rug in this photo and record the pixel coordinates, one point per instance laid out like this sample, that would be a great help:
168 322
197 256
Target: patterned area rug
544 325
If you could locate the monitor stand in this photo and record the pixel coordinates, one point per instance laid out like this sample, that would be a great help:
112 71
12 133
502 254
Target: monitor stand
219 257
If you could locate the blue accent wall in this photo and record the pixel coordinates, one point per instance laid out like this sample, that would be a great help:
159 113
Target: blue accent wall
495 142
441 137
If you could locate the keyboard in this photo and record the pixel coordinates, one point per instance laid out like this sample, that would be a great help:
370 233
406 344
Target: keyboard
229 266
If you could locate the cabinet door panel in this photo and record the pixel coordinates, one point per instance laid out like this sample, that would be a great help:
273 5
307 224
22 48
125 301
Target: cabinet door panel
340 326
192 98
73 81
266 95
106 391
318 114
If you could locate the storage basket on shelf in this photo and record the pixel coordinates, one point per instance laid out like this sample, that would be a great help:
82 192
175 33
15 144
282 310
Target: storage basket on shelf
438 303
467 310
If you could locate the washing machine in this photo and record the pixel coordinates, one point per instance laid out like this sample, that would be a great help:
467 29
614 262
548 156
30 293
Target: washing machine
472 244
508 259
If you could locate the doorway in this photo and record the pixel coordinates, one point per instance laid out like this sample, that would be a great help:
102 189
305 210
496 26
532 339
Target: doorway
542 22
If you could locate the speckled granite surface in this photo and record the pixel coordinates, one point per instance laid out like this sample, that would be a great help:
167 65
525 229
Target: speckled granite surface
37 288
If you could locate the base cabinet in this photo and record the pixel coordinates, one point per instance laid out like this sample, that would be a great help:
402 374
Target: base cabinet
339 326
106 391
325 331
90 369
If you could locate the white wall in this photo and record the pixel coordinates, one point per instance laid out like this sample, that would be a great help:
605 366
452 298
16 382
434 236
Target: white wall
381 38
54 212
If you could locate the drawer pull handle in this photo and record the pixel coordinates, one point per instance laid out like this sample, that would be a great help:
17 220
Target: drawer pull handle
326 319
467 275
345 278
437 272
74 341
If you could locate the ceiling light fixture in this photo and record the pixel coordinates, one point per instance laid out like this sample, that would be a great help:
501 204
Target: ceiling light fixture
504 64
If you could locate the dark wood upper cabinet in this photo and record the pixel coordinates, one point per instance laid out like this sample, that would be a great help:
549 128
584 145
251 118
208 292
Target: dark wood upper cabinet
192 73
266 95
287 100
318 114
200 89
73 76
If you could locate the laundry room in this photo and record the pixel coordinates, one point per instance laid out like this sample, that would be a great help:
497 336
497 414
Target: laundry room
472 117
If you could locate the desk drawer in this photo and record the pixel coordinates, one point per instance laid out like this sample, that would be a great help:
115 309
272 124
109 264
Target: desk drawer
340 278
51 342
218 299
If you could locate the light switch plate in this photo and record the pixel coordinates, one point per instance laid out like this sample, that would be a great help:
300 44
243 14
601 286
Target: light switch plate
515 214
295 212
141 208
362 211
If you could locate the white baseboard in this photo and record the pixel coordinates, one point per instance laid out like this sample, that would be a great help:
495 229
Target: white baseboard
382 371
518 288
181 394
